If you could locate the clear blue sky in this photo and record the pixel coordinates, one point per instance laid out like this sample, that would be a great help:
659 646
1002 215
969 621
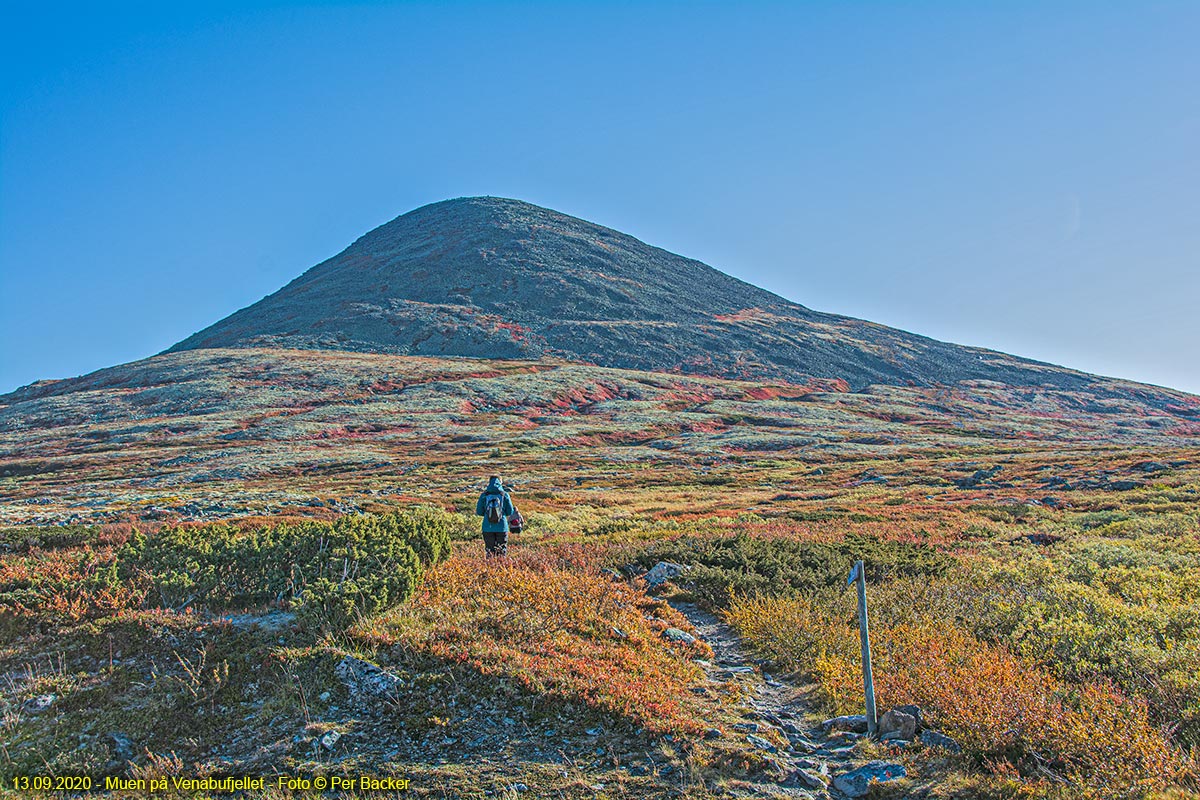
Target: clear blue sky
1018 175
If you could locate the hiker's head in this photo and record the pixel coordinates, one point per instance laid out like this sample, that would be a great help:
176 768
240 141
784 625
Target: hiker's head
495 480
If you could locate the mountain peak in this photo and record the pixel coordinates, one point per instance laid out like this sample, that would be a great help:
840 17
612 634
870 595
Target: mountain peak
496 277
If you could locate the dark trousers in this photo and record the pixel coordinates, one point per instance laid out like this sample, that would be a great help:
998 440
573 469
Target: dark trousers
496 543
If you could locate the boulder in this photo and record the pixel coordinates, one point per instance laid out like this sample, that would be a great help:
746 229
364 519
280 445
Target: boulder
896 724
662 572
855 723
858 782
914 712
937 739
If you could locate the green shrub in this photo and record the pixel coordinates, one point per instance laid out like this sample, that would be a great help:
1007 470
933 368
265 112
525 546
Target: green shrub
22 539
749 565
331 573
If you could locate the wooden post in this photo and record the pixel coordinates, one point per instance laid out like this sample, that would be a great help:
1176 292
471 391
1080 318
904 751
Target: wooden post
858 575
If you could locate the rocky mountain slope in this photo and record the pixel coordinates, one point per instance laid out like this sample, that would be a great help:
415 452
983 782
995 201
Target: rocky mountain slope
497 278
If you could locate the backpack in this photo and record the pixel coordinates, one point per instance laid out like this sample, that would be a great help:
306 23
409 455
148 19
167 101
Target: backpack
493 508
516 523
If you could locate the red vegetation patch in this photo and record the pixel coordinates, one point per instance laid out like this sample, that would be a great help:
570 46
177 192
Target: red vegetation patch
547 620
517 332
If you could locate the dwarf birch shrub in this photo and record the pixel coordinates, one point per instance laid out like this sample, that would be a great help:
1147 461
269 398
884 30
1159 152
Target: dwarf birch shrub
549 622
1005 711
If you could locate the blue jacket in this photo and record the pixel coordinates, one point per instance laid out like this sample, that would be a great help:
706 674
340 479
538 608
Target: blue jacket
494 487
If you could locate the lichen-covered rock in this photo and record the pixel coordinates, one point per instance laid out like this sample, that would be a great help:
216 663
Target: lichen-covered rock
855 723
858 782
662 572
676 635
40 703
938 739
364 679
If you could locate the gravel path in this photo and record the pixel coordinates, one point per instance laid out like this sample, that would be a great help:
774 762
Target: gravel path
779 720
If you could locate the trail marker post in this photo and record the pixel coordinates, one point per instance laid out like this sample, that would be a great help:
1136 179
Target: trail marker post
858 575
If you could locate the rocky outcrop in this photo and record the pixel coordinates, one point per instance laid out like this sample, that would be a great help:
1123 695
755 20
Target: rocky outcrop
364 680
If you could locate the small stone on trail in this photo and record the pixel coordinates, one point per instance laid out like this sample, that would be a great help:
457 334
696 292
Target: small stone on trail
761 743
804 777
801 745
330 740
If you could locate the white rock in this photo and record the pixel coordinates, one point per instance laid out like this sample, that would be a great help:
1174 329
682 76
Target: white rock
662 572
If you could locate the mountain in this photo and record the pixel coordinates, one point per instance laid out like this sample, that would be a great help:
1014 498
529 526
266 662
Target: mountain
497 278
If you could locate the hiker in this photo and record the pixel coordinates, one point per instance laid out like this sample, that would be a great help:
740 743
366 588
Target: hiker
499 517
